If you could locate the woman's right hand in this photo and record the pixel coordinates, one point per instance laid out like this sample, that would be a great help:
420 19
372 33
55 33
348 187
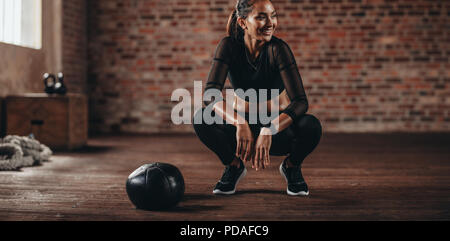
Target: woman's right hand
244 138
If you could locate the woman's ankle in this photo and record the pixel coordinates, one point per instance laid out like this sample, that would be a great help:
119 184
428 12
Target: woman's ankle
289 163
236 162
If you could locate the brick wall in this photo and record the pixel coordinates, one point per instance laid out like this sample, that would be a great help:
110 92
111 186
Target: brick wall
367 65
74 45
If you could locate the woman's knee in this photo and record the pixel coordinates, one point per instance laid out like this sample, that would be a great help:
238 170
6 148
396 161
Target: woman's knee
197 114
197 121
310 124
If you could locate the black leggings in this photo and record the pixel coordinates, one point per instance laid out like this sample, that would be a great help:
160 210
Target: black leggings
298 140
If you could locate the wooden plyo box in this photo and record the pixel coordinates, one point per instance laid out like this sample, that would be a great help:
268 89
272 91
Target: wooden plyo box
60 122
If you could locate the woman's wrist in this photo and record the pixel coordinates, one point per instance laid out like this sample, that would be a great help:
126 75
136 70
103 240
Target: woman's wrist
241 123
269 129
265 131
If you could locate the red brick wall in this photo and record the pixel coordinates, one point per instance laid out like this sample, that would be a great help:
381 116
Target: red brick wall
367 65
74 45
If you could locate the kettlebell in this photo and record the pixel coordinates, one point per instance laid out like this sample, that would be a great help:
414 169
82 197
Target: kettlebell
49 86
54 85
60 87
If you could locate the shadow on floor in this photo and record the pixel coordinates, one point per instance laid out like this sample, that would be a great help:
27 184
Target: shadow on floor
260 191
188 197
91 149
182 207
13 170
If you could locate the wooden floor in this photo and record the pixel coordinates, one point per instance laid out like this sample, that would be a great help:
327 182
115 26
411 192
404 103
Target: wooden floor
351 177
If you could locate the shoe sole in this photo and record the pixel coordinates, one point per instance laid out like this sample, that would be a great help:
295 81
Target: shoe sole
217 191
301 193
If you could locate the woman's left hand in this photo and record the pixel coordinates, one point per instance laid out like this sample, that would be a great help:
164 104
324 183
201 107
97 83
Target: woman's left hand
261 152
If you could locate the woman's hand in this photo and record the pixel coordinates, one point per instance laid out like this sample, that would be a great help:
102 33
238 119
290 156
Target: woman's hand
244 139
261 158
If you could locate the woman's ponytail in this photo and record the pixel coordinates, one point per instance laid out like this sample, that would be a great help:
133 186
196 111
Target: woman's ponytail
233 28
242 9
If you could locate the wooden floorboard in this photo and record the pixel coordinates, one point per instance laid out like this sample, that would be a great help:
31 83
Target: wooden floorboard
351 177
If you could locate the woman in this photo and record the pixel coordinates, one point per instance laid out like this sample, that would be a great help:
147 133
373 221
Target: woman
253 58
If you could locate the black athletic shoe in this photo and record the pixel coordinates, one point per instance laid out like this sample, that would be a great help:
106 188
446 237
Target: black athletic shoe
296 184
230 178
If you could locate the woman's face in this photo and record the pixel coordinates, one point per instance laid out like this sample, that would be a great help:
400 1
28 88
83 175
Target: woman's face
261 22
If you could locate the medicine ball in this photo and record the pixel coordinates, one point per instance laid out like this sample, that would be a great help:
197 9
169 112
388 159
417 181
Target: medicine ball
155 186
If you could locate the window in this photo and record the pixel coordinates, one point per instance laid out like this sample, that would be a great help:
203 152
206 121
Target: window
20 22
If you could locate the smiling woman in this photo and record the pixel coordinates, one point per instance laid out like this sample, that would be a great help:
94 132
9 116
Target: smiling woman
254 59
20 22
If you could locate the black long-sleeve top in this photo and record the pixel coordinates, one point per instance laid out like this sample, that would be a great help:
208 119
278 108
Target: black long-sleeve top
274 68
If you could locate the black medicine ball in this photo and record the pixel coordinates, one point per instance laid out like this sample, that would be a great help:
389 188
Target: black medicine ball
155 186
